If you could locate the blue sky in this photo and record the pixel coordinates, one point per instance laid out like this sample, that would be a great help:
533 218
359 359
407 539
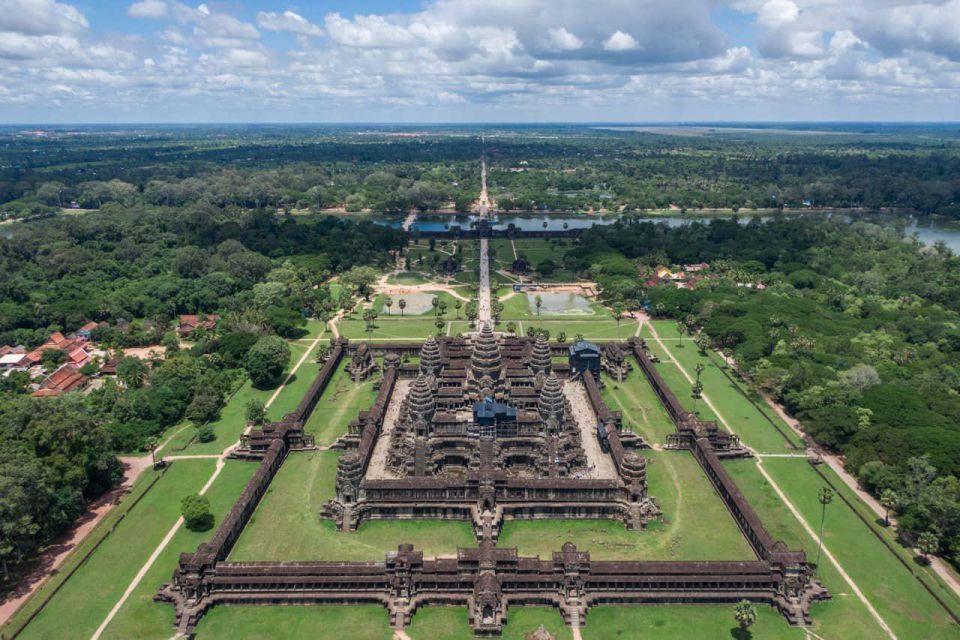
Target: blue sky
478 61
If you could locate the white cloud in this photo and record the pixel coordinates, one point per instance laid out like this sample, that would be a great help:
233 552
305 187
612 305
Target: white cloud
288 21
40 17
620 41
777 13
153 9
562 40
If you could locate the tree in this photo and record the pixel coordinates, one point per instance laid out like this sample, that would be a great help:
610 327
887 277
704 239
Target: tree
52 358
323 352
255 412
824 497
204 407
285 322
360 278
562 337
889 501
745 615
512 327
703 343
206 433
538 301
132 372
441 308
369 316
617 313
439 324
402 304
196 512
458 304
435 301
388 303
681 329
472 312
928 543
267 359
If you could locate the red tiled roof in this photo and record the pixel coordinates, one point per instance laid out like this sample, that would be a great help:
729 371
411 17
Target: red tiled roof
66 378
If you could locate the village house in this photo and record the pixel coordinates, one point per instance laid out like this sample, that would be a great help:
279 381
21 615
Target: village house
693 268
75 349
190 323
66 378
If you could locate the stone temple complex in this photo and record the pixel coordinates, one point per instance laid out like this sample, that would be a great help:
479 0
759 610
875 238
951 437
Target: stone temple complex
486 429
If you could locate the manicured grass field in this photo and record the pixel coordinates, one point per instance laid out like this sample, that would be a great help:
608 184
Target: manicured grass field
293 392
687 499
233 420
87 597
681 622
141 617
642 410
389 328
287 526
891 589
451 623
367 622
340 403
407 278
753 426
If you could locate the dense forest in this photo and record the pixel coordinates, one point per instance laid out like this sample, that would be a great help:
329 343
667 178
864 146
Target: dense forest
544 168
134 270
857 333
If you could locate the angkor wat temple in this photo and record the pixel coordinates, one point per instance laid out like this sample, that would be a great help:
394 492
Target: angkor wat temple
487 429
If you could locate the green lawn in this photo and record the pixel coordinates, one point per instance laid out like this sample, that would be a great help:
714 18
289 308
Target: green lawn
407 278
894 592
451 623
754 427
642 410
286 524
296 388
340 403
141 617
233 420
86 598
389 328
367 622
681 622
687 499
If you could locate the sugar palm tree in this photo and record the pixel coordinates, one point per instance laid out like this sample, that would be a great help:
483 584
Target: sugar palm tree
388 303
402 304
825 497
889 501
745 615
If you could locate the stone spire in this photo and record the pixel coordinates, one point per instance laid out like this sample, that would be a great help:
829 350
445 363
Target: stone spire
551 404
430 357
540 358
485 359
420 401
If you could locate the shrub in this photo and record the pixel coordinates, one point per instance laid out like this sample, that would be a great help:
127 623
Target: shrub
206 433
196 513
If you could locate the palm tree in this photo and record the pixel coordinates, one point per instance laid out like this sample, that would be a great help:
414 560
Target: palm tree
825 497
152 444
511 327
388 303
889 501
681 329
458 304
617 314
402 304
439 324
745 615
928 543
435 302
538 301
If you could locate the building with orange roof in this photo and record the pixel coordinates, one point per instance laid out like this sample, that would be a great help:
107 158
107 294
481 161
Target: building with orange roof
66 378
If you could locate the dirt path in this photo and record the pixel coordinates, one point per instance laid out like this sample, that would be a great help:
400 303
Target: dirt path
56 554
221 463
786 501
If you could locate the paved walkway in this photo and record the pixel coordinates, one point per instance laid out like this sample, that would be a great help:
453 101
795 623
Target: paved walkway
790 506
221 463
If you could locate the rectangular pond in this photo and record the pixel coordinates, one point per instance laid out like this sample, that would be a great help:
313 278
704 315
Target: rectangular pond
560 304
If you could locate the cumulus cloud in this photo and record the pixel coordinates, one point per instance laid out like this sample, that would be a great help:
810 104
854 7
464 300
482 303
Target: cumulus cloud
620 41
562 40
555 58
155 9
40 17
289 22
